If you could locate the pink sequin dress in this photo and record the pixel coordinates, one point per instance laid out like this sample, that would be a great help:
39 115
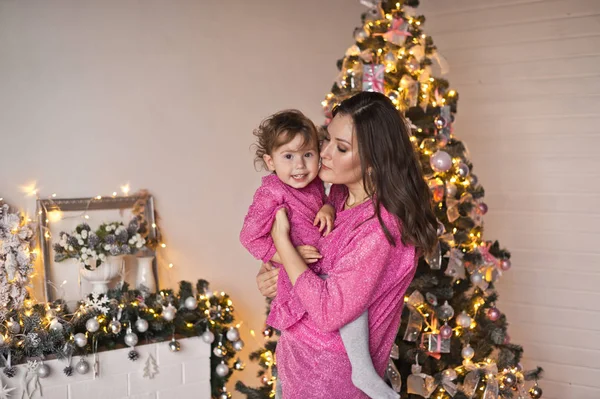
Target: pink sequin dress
365 272
302 206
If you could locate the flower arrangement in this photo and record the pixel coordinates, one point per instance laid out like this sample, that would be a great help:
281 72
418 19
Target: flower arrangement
91 248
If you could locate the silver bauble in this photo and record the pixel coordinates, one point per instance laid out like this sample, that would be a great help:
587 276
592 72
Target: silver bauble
467 352
208 337
476 278
463 170
2 340
510 380
360 34
55 325
238 345
82 367
451 190
441 161
220 351
130 338
15 328
463 320
44 370
92 325
169 313
114 326
80 340
233 334
222 370
190 303
141 325
174 346
445 312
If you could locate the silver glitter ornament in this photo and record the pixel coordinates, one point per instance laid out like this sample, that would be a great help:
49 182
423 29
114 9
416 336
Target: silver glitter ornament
114 326
535 392
467 352
233 334
44 370
441 161
169 313
220 350
82 367
174 346
463 320
80 340
190 303
130 338
222 370
208 337
445 312
15 328
238 345
463 170
55 325
510 380
141 325
92 325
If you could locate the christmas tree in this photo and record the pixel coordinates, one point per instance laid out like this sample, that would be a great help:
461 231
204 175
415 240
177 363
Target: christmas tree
453 340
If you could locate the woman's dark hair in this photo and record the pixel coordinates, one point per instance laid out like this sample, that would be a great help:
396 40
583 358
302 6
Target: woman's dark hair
390 168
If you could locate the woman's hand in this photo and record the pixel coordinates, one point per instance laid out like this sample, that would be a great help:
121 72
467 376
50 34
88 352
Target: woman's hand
281 225
266 280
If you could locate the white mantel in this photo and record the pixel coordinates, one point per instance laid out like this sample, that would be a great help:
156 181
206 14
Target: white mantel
181 375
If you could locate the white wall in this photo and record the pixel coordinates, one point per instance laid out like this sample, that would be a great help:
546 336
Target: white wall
528 76
165 94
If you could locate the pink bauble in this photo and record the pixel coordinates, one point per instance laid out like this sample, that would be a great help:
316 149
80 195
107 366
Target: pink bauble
482 208
506 339
505 264
441 161
493 314
445 331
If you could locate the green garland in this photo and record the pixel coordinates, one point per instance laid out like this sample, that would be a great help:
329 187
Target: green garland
47 330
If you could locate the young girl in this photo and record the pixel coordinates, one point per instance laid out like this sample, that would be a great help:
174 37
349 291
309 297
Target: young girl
288 147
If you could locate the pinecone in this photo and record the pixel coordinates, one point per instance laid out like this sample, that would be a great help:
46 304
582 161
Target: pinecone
68 371
10 371
133 355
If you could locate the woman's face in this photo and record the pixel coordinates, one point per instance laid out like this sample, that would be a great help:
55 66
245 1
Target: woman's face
340 160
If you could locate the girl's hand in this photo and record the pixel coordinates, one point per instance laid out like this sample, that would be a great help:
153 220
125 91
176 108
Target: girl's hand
266 280
281 225
324 219
309 253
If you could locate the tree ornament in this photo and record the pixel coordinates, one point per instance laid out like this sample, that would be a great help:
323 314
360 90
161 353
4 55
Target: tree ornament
55 325
493 313
68 371
535 392
82 367
467 352
440 122
114 326
92 325
131 339
445 312
10 371
505 264
510 380
208 336
462 169
239 365
15 328
441 161
190 303
169 313
174 345
463 320
222 369
482 208
446 331
44 370
141 325
133 355
233 334
80 340
238 345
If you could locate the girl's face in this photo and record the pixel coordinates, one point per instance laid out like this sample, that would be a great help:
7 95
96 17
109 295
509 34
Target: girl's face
340 160
295 163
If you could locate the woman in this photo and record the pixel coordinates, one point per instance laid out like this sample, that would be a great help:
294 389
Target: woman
384 218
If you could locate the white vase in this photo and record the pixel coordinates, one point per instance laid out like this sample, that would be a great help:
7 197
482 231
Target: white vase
145 275
103 274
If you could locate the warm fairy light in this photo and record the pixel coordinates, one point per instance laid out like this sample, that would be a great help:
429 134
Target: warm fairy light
189 325
170 265
153 225
431 79
86 216
252 333
54 216
163 245
125 189
114 194
54 195
47 235
451 93
423 36
98 197
30 190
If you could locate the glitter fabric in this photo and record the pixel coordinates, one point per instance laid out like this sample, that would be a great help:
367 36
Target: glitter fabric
302 206
365 272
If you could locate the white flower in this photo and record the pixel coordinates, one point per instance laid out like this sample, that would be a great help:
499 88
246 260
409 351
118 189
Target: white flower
80 241
84 234
71 248
131 241
78 236
93 253
102 257
83 250
139 245
84 256
108 227
107 247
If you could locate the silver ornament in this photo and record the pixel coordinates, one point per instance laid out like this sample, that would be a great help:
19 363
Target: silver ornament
239 365
55 325
360 34
169 313
476 278
220 351
114 326
451 190
463 320
190 303
463 170
510 380
441 161
238 345
445 312
174 346
440 122
222 370
44 370
130 338
92 325
15 328
82 367
233 334
208 337
467 352
141 325
2 340
80 340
